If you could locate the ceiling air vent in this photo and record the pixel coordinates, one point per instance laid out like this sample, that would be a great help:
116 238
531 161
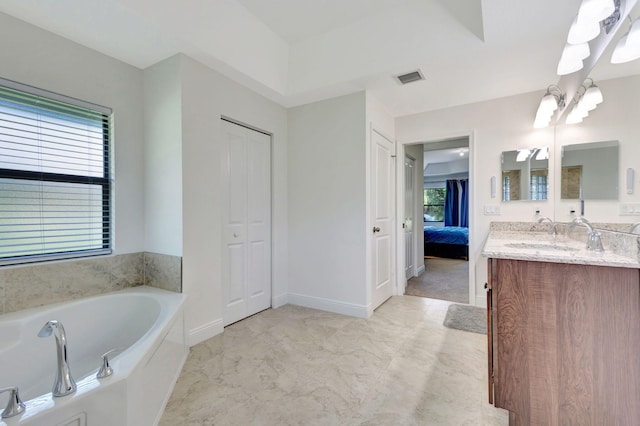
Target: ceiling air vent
410 77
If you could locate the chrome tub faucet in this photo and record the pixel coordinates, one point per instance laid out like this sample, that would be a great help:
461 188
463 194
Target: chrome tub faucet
64 383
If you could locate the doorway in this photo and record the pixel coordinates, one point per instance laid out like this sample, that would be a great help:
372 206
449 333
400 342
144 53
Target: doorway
443 198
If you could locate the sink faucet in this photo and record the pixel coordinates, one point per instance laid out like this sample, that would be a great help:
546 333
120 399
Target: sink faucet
594 242
635 227
64 383
552 227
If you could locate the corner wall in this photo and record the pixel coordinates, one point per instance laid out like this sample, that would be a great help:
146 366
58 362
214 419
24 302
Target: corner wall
327 205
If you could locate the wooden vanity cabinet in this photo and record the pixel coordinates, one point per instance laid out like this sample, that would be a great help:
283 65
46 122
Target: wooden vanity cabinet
564 343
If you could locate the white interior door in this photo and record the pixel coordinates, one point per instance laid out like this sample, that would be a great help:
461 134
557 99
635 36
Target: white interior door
382 190
247 223
409 209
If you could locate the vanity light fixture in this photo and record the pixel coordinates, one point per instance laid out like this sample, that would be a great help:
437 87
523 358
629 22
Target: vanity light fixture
551 101
586 99
628 47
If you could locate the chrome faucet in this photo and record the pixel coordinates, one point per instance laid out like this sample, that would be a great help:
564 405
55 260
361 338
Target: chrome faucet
594 242
15 405
635 227
552 227
64 383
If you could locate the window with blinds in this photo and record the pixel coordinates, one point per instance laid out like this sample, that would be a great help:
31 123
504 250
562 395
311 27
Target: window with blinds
55 186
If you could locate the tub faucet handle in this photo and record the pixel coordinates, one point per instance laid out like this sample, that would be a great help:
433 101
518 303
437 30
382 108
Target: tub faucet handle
105 369
15 405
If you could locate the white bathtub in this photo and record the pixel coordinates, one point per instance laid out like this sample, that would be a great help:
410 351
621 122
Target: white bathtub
146 322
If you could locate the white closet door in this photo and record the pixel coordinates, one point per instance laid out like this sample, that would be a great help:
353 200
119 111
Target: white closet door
247 223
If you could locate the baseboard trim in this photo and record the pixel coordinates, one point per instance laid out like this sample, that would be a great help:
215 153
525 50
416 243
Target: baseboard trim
335 306
420 270
279 301
204 332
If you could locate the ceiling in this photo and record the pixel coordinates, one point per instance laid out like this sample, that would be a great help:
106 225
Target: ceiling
299 51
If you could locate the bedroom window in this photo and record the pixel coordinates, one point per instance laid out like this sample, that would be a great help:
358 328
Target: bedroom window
55 188
434 204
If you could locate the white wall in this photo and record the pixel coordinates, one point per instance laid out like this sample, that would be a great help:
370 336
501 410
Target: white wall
327 211
506 124
163 158
39 58
206 96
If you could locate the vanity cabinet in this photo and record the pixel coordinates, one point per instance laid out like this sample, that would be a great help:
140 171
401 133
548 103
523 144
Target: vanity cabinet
564 342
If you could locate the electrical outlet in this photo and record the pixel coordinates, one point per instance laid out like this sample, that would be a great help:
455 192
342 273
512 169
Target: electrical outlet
491 210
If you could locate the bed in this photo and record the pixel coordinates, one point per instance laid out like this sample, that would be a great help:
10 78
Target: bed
449 241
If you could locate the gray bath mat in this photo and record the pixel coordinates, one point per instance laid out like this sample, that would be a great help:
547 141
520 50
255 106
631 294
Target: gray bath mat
466 318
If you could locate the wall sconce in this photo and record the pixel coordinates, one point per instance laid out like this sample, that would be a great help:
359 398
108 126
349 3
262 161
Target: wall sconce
551 101
630 178
628 47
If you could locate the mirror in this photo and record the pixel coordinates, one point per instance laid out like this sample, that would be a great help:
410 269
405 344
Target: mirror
590 171
525 174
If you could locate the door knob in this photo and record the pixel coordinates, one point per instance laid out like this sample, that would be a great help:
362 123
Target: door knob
376 229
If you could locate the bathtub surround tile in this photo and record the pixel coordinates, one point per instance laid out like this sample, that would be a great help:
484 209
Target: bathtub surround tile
295 365
163 271
81 278
127 270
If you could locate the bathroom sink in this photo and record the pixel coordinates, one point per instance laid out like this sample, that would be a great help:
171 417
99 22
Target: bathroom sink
540 246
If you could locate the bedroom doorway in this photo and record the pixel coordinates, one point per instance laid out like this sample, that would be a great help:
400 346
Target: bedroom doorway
443 200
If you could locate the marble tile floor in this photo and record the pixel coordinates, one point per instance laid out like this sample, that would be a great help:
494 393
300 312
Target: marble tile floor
299 366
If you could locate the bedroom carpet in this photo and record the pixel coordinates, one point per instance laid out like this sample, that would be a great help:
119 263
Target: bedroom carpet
444 279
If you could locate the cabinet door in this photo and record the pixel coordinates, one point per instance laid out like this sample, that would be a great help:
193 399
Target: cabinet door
567 339
490 372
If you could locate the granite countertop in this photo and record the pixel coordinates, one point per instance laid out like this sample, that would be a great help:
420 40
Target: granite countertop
540 246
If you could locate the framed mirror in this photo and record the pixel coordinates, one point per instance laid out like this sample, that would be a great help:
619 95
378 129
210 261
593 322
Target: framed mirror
525 174
589 171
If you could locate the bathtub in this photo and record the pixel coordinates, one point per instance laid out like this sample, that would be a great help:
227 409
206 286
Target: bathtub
146 323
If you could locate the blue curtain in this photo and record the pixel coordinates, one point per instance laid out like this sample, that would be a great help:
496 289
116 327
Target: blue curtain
464 203
451 213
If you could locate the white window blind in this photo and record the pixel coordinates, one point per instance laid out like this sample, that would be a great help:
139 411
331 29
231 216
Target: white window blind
54 176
